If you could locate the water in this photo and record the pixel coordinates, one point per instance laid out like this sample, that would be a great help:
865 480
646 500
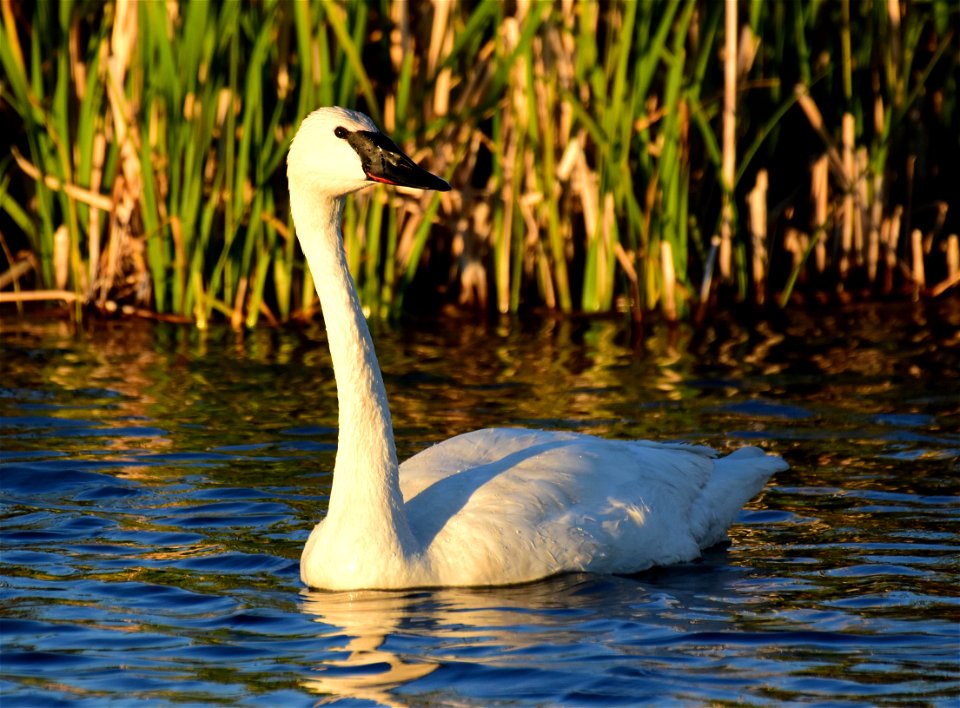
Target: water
158 484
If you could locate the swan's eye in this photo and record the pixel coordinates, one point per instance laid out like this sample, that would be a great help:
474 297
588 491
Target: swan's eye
341 132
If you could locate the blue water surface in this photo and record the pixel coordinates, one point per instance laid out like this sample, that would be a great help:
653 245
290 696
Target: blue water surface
157 485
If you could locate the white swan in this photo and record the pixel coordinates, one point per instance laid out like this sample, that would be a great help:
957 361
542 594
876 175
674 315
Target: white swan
495 506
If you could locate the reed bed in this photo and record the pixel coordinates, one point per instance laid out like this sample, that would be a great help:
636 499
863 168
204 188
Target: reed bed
641 157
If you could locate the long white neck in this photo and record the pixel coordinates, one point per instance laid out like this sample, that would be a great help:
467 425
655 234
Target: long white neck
366 494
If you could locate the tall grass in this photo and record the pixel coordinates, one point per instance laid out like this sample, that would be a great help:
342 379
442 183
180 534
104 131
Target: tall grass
604 155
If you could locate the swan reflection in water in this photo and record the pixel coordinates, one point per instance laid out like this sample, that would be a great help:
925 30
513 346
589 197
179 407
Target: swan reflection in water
482 623
486 624
379 641
363 620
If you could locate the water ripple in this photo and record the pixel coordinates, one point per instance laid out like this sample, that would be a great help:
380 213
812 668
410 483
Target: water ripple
151 525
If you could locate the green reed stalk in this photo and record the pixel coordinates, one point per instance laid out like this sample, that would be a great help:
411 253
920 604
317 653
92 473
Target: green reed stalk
373 284
26 95
350 45
617 125
555 238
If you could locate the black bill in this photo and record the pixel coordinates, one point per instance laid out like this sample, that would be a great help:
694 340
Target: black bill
384 162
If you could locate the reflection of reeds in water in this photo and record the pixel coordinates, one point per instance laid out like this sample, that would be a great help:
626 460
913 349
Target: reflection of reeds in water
602 155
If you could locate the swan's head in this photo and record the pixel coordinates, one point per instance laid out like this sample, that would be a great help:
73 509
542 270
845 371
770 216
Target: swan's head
338 151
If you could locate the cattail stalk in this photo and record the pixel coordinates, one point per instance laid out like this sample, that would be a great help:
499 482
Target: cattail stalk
892 233
818 193
729 165
757 201
916 247
669 281
953 257
849 169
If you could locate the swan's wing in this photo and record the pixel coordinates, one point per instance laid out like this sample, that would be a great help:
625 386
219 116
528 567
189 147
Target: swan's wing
544 500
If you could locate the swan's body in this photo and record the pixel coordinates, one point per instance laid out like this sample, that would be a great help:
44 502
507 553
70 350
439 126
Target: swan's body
495 506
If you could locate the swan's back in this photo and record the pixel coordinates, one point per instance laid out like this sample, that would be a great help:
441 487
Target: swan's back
505 505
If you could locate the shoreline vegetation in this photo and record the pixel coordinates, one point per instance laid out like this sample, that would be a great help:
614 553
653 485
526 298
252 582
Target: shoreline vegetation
637 157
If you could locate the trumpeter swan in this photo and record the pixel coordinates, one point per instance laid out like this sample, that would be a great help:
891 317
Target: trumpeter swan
490 507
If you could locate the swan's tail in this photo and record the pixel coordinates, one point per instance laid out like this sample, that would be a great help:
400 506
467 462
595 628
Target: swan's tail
736 479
